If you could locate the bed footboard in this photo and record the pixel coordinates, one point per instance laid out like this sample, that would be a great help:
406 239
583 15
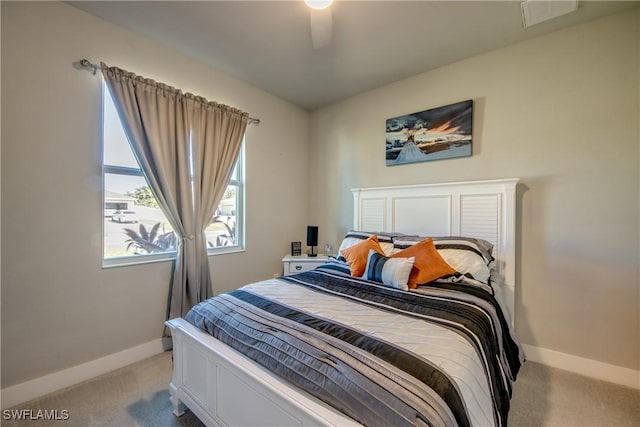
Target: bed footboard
224 388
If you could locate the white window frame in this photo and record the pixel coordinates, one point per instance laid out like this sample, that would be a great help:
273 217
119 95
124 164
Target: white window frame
122 261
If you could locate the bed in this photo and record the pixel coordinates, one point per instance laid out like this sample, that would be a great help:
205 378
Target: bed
327 348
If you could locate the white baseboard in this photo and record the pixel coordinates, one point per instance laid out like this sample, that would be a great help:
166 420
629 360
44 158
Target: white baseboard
586 367
38 387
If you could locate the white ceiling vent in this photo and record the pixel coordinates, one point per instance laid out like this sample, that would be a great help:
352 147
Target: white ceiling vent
536 11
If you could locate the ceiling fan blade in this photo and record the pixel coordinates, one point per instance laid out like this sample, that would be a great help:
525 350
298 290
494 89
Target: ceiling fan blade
321 27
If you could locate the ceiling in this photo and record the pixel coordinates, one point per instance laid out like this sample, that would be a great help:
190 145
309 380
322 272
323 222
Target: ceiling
268 43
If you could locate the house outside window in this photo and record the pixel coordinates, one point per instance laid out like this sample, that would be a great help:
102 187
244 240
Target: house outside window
134 228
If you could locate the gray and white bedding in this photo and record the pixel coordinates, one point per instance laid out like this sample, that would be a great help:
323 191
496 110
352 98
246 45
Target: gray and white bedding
443 355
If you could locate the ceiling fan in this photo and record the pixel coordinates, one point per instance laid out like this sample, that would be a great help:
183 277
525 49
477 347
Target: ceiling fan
321 22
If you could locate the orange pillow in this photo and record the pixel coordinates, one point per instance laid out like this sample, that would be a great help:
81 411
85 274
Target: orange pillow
428 266
357 255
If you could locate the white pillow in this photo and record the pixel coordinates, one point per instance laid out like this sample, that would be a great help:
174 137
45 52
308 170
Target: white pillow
355 237
466 262
391 272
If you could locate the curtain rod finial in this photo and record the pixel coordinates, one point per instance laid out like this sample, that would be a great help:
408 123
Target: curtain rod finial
85 64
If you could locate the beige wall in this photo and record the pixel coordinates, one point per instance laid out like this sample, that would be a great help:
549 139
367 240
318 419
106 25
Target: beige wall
561 112
59 307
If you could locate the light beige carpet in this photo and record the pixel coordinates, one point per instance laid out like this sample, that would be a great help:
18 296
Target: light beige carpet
137 395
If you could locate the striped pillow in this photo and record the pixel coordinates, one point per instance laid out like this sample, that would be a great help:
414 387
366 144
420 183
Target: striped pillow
480 247
468 256
354 237
391 272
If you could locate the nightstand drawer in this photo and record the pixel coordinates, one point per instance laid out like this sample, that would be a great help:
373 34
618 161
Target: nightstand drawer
301 267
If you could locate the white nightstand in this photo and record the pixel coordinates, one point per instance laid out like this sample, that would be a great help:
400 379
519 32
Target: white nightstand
302 263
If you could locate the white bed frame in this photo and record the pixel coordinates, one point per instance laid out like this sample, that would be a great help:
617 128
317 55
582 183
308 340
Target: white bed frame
224 388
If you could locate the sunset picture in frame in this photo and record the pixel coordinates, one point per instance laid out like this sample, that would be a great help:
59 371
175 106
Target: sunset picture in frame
439 133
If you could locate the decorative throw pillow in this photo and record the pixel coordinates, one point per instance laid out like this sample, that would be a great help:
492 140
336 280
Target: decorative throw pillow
356 255
392 272
428 265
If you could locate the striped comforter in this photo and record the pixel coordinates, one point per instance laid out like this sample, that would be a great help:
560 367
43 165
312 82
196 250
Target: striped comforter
442 356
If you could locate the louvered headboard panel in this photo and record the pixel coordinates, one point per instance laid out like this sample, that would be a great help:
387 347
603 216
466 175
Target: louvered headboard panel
482 209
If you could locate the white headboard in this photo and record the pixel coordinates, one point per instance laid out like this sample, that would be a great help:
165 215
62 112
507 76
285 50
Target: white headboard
481 209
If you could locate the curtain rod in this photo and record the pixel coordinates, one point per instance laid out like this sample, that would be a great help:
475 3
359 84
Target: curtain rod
85 64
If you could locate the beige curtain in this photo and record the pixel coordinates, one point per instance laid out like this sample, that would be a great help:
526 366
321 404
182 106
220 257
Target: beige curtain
216 139
187 148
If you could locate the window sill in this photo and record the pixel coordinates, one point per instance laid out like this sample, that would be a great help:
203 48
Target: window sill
137 260
224 251
170 256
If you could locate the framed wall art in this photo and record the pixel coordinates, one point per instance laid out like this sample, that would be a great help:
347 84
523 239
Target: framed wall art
439 133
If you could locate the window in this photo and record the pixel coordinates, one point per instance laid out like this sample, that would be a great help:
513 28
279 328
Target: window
135 229
225 229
